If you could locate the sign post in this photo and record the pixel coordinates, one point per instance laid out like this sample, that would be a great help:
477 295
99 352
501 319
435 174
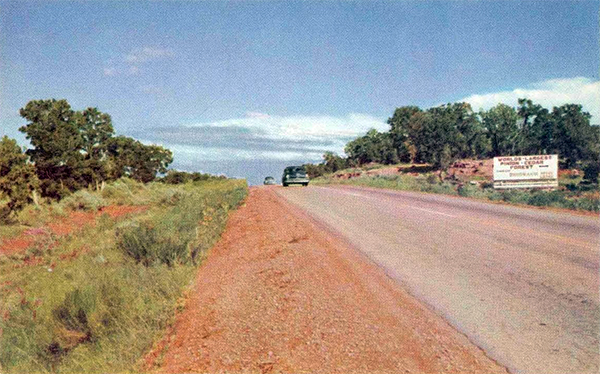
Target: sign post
533 171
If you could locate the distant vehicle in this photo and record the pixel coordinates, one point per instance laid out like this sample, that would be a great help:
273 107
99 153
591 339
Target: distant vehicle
294 175
269 180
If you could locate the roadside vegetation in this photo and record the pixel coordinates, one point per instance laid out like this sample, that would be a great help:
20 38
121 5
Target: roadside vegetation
98 242
439 137
96 299
571 194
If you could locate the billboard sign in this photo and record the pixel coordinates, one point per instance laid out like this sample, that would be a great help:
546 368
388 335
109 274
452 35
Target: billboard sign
534 171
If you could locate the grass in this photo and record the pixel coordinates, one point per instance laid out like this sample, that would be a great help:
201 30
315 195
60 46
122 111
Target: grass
571 194
86 302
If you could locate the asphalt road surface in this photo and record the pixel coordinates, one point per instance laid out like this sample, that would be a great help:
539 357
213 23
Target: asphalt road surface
521 283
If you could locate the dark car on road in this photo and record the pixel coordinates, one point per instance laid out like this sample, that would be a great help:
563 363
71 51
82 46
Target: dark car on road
269 180
294 175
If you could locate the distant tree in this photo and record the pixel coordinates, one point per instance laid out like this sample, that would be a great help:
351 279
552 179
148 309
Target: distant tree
18 181
572 136
178 177
96 130
129 157
314 170
448 132
332 162
403 133
530 129
373 147
57 145
500 123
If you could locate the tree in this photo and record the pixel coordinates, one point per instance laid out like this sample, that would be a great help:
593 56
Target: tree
96 130
500 122
129 157
530 130
402 133
56 142
373 147
448 132
18 181
572 136
333 162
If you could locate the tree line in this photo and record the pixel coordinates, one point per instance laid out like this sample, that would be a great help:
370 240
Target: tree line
70 150
443 134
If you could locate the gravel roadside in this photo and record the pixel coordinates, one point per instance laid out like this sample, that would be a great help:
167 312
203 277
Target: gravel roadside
278 294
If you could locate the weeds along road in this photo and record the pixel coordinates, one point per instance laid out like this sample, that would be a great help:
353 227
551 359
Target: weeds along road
523 284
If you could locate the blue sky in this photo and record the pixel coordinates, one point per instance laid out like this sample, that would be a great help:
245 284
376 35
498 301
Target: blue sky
245 88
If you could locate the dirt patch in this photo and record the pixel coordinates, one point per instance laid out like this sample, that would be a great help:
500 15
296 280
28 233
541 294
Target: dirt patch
278 294
461 170
116 211
466 169
63 226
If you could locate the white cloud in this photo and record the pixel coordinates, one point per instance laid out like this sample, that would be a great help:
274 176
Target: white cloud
304 127
227 154
553 92
141 55
266 137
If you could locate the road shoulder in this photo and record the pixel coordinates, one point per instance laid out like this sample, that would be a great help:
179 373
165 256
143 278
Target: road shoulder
278 294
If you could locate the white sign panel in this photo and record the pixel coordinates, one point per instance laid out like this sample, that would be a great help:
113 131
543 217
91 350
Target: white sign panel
526 171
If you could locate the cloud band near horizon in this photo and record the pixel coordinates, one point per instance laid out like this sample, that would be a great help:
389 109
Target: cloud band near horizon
261 136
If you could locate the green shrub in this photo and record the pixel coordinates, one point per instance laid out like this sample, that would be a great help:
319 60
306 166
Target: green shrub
147 246
100 311
590 203
545 198
84 200
467 190
172 196
591 171
432 179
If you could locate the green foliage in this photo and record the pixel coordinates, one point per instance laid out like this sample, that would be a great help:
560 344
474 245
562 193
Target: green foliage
101 311
17 178
125 191
84 200
450 132
373 147
150 246
591 172
439 135
179 177
331 163
129 157
579 199
500 122
404 132
74 150
53 132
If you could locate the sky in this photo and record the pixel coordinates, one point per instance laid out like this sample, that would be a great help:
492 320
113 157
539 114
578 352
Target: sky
245 88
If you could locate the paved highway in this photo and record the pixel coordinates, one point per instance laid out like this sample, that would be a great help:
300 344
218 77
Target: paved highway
523 284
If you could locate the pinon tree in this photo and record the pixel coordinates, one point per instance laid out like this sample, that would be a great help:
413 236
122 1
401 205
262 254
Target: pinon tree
129 157
57 143
18 181
500 123
96 130
73 149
